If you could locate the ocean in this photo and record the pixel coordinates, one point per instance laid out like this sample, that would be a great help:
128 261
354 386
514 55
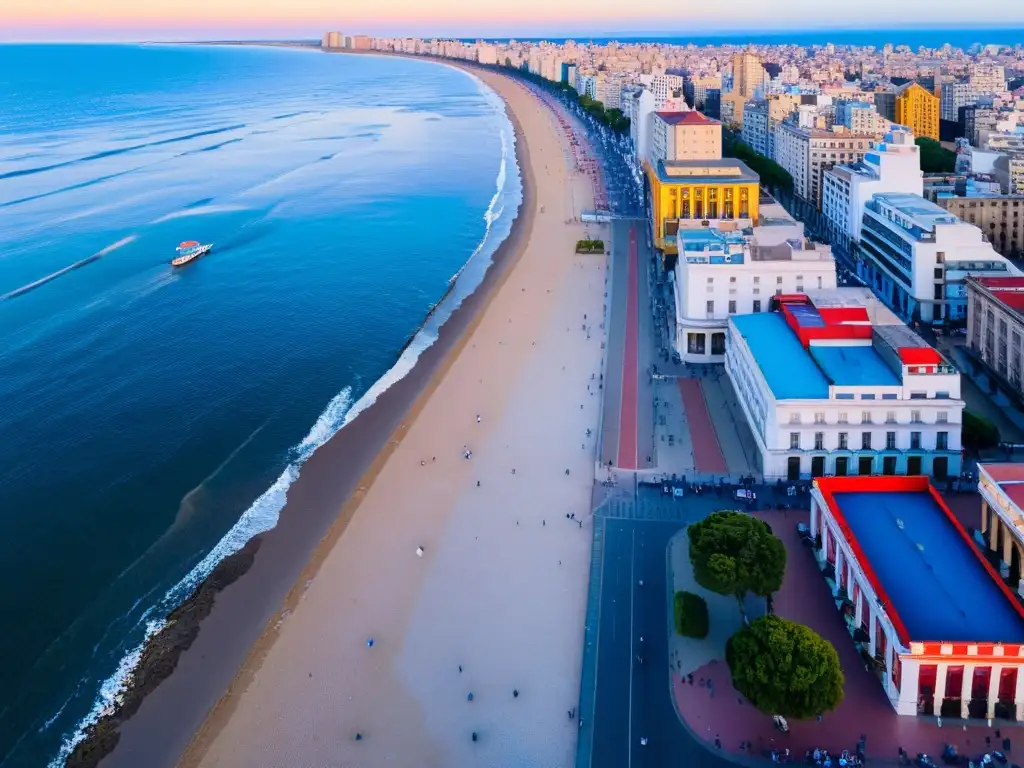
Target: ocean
152 419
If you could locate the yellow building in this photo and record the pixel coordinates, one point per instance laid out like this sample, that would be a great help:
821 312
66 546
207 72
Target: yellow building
686 193
918 109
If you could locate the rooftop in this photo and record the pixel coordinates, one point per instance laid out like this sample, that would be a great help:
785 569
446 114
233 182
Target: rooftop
921 212
921 563
1008 291
690 117
1009 478
854 366
723 170
790 372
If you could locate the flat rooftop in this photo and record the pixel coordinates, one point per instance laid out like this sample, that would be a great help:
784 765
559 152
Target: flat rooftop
1008 291
922 212
788 369
934 578
724 170
854 366
1010 479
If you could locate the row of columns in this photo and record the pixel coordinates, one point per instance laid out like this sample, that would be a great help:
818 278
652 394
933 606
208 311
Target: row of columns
991 525
967 689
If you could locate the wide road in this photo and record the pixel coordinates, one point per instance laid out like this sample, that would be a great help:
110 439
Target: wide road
634 700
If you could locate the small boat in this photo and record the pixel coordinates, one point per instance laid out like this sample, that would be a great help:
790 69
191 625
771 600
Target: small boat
190 250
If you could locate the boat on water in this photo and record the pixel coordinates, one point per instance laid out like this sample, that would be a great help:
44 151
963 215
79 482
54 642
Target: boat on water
190 250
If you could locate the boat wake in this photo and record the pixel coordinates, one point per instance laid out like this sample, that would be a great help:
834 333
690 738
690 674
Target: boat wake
70 268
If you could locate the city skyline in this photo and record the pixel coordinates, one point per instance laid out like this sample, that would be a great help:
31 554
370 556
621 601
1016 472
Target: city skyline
117 20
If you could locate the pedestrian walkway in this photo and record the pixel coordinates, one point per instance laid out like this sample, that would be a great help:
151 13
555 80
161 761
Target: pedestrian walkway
731 429
707 453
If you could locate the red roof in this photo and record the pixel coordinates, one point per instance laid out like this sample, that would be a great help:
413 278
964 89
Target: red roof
691 117
1006 290
919 356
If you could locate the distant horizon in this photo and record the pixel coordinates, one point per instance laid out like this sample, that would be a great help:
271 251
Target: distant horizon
783 36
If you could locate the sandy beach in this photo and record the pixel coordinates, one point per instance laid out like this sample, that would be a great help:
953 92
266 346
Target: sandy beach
500 588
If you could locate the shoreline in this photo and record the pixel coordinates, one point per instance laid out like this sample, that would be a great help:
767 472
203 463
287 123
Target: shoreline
184 674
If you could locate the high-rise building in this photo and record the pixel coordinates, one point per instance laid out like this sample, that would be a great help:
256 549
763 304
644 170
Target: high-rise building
806 153
918 109
987 78
748 74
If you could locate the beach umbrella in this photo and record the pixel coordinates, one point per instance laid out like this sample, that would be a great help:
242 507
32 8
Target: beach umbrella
369 642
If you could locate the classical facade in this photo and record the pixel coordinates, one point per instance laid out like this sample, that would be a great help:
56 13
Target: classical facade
929 614
827 389
995 325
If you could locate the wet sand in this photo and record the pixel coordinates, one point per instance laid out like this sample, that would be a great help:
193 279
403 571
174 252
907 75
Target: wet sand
489 592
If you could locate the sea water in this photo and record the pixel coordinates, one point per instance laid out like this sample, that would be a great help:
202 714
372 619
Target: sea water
153 419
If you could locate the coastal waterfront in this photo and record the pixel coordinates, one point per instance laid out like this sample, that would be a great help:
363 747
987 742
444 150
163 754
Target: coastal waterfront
367 569
177 408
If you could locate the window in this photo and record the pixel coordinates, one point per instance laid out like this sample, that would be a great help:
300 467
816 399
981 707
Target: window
695 343
941 417
711 307
732 279
890 417
778 280
757 279
842 418
865 417
915 441
844 440
942 441
794 418
867 396
915 417
819 417
732 307
711 281
757 305
890 441
819 441
865 441
794 441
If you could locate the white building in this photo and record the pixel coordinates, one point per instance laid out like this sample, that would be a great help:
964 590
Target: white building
952 96
687 135
828 390
728 271
807 152
641 108
894 165
861 117
487 53
916 255
755 133
987 78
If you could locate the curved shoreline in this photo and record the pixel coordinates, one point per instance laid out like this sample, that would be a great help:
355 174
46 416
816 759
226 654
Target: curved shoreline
184 674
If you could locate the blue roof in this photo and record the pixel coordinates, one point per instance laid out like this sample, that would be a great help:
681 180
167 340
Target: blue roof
936 583
854 366
790 371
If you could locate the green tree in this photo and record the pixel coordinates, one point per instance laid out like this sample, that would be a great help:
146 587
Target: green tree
784 668
978 432
691 614
935 158
733 554
773 176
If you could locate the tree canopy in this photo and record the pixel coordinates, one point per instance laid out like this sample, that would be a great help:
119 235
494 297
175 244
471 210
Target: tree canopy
784 668
773 175
733 553
935 158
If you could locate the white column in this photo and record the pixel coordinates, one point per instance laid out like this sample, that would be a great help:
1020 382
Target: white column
1018 695
910 681
993 533
849 579
993 690
984 517
940 686
889 655
824 542
871 630
1007 547
965 691
839 568
815 514
858 609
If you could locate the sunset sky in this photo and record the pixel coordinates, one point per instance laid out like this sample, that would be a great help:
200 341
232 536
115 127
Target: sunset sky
241 19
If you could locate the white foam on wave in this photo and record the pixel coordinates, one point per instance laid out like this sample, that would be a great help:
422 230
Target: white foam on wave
205 210
261 516
264 513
